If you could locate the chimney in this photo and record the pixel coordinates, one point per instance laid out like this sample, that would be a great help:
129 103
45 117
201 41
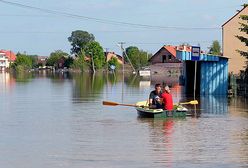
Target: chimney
184 48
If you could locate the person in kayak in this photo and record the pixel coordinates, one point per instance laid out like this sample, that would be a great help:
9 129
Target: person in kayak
155 97
167 98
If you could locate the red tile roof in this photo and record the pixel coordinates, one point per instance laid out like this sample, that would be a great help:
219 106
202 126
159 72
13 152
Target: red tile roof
10 54
171 49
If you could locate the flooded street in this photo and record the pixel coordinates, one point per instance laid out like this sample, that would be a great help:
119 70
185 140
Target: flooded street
58 120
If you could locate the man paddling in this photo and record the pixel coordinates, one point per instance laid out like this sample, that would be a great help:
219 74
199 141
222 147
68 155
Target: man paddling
154 98
167 99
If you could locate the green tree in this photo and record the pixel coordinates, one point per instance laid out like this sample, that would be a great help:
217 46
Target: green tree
144 56
133 55
79 39
138 58
244 28
215 48
55 56
23 62
95 50
69 62
79 62
113 61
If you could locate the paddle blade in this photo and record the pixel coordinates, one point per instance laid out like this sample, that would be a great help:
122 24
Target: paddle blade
193 102
108 103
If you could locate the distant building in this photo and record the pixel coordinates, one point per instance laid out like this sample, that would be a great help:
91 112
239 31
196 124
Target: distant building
10 54
6 58
230 43
174 64
164 61
42 60
110 55
167 54
4 62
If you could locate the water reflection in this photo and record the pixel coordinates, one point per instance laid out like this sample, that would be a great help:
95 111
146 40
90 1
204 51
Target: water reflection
87 87
217 105
193 142
22 77
238 106
6 82
57 120
162 139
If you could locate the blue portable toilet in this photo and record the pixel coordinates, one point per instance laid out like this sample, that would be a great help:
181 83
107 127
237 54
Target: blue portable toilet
212 73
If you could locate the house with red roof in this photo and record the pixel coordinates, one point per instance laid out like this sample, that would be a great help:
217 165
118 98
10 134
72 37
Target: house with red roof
166 54
10 55
6 58
165 60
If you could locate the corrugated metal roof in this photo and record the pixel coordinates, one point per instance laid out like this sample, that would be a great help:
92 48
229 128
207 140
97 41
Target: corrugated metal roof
186 56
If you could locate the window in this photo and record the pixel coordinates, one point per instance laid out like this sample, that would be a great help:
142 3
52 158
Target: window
169 57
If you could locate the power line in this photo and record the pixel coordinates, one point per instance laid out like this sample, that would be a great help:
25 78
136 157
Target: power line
106 21
167 42
95 31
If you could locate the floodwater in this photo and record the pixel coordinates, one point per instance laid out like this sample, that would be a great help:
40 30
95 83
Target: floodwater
58 120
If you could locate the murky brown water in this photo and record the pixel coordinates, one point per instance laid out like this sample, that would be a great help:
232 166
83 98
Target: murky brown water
58 121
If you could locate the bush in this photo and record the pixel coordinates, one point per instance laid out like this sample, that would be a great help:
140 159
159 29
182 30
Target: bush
113 61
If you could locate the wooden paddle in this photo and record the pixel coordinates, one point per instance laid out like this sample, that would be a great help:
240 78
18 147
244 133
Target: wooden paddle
190 102
109 103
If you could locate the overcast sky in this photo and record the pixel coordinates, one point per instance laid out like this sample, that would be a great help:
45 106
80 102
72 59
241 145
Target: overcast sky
37 31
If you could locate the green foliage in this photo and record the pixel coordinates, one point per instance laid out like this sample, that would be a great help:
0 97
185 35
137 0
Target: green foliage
215 48
95 50
144 56
137 57
244 28
22 62
79 39
133 55
34 59
79 62
55 56
68 62
113 61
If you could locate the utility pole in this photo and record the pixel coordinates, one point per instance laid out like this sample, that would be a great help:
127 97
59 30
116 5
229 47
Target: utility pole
123 62
122 49
106 50
120 44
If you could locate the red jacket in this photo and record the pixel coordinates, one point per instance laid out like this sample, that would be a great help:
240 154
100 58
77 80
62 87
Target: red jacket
167 100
